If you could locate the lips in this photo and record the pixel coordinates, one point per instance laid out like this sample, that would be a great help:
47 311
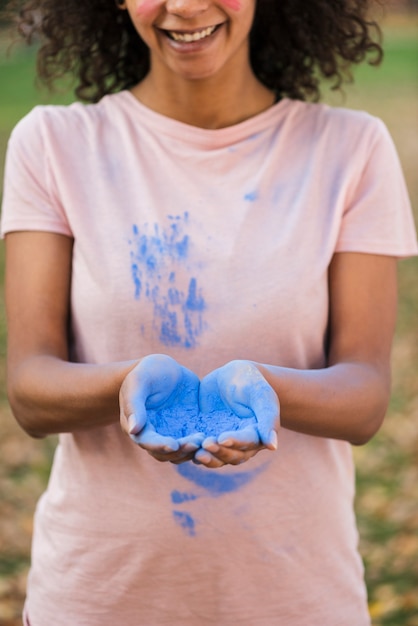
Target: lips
191 36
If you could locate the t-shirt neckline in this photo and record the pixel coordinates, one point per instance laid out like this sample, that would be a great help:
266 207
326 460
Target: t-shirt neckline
203 136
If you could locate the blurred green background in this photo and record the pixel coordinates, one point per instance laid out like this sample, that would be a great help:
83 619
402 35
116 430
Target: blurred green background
387 467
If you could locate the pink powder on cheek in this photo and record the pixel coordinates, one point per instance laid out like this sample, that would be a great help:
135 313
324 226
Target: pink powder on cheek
235 5
147 7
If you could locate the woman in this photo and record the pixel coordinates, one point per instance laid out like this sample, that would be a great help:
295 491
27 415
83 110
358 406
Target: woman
200 241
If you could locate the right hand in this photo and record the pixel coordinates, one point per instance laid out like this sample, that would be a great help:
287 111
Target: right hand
156 383
239 387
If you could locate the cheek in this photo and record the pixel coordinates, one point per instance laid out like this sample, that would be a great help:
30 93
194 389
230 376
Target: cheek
147 8
235 5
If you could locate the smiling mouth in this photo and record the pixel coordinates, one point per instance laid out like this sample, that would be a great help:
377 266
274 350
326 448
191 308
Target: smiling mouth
197 35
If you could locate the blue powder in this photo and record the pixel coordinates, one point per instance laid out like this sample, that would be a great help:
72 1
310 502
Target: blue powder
136 277
155 251
180 421
178 497
252 196
194 301
182 247
214 481
186 521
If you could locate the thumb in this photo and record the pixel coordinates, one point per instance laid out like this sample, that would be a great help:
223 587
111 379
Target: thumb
266 407
133 415
135 423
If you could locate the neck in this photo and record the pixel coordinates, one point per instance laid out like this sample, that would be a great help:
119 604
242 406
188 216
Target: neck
208 103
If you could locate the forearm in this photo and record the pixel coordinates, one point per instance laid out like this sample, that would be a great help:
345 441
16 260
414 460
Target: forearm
49 395
345 401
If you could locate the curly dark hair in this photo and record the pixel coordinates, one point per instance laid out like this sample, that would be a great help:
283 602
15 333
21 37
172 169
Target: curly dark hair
294 44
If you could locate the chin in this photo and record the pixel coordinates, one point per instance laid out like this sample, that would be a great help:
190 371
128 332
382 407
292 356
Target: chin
197 74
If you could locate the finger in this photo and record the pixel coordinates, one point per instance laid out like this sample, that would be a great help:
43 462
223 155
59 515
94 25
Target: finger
266 407
241 439
203 457
132 418
172 457
195 440
233 455
150 440
185 453
224 456
137 420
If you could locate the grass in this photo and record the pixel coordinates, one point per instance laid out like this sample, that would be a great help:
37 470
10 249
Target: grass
22 93
387 468
399 64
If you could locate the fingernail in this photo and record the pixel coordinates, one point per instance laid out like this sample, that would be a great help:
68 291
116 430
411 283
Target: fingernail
173 447
132 425
204 458
273 440
210 444
211 447
228 443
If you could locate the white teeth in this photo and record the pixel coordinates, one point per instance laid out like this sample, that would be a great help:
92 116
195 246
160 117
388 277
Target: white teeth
188 37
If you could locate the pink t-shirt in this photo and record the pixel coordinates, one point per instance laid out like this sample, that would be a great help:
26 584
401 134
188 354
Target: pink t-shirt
208 245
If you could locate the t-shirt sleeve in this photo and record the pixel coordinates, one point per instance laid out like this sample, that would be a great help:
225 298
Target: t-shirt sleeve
378 218
29 198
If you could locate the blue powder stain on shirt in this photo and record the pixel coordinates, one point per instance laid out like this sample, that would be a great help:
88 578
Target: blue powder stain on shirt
215 483
182 247
186 521
178 497
189 340
178 315
151 249
174 296
151 263
194 301
136 279
252 196
169 334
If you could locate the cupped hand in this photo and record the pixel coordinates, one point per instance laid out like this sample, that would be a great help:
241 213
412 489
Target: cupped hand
156 383
239 387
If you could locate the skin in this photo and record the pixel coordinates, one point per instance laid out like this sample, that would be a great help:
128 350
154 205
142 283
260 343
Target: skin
212 88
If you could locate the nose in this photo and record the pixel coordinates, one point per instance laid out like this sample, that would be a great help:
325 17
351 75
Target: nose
186 8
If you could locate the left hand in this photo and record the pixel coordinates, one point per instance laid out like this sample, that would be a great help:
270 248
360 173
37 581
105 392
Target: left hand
239 387
157 382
